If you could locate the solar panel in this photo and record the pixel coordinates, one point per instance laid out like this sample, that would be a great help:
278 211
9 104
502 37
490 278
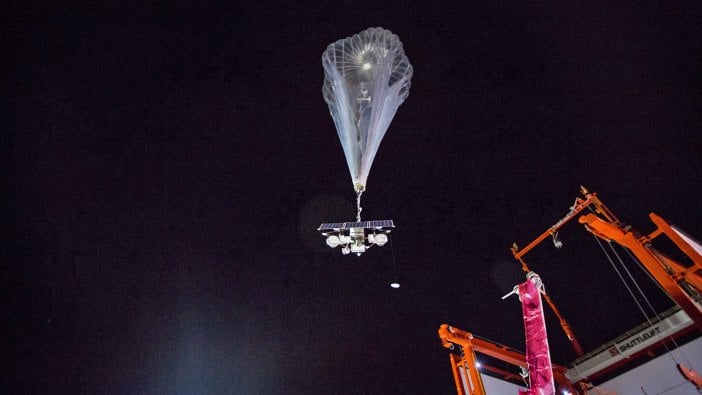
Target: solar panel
332 226
385 223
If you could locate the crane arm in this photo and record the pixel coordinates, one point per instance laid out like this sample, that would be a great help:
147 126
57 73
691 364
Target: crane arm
471 344
579 205
665 271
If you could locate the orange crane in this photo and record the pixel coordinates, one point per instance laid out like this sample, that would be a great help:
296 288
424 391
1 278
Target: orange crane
579 205
465 367
682 282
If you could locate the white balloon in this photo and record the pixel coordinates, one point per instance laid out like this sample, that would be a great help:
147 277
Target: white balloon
366 78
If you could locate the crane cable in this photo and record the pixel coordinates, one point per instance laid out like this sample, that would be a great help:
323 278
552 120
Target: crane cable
628 288
640 265
643 295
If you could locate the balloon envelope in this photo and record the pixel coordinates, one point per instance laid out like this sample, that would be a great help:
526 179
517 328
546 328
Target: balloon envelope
366 78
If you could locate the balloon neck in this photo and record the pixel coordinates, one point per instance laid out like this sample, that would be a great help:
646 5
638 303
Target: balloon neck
359 187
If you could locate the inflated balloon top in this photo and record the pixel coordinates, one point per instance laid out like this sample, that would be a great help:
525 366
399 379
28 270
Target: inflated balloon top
366 78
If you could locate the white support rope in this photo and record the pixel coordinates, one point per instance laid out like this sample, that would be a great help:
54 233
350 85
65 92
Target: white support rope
358 205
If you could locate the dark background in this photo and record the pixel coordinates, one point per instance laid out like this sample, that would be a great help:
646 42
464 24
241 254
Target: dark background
164 168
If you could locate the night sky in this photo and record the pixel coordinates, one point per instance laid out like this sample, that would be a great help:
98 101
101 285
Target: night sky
164 168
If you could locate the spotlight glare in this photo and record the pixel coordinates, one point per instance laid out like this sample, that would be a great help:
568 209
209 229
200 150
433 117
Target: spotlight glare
395 285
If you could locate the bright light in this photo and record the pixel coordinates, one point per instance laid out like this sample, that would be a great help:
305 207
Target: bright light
333 241
381 239
478 365
366 66
395 285
566 392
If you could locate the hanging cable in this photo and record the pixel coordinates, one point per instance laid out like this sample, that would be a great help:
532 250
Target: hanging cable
650 306
675 343
622 277
633 258
631 292
358 205
631 277
628 288
643 295
394 284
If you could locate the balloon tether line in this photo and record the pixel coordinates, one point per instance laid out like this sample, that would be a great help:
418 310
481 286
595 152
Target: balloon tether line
358 206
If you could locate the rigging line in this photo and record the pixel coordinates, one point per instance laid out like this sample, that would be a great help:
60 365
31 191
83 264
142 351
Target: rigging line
611 262
631 292
394 263
650 276
643 269
675 343
643 295
358 205
633 280
633 258
621 262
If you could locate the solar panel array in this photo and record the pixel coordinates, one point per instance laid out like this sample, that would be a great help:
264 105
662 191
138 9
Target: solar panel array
385 223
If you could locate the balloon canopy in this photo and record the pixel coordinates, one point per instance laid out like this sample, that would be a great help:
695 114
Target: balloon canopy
366 78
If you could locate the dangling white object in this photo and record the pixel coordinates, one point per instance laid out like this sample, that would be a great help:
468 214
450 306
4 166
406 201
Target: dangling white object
366 78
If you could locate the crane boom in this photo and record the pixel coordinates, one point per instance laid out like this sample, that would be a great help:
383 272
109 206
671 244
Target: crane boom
676 280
